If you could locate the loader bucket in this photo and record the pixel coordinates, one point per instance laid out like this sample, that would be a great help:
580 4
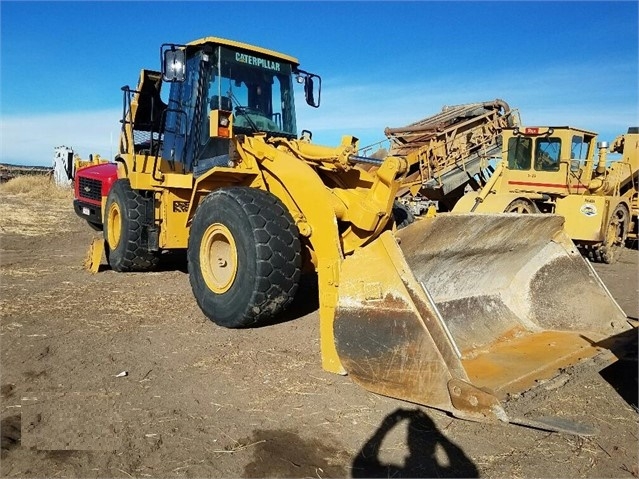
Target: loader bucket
457 311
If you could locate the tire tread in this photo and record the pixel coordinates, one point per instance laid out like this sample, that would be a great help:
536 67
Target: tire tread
278 251
135 257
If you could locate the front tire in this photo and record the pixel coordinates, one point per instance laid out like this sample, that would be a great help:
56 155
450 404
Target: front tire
125 232
244 257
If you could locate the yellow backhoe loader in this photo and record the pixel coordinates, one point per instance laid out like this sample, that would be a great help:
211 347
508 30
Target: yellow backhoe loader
453 312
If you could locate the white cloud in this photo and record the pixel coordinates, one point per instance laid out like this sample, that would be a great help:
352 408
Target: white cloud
584 96
30 140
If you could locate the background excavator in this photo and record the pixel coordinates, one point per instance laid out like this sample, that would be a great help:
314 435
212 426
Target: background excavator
454 312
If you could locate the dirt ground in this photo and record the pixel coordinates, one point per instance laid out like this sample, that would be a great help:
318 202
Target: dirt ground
120 375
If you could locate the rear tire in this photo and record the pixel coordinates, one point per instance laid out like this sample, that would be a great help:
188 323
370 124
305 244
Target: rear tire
616 235
522 207
244 257
125 232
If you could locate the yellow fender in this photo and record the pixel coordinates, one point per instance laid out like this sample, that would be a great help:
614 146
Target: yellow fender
493 203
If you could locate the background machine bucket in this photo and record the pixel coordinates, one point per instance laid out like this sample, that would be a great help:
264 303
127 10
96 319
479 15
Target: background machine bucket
458 311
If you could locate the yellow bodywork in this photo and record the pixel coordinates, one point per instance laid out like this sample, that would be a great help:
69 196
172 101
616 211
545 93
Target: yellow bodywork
586 215
79 163
453 312
362 199
318 184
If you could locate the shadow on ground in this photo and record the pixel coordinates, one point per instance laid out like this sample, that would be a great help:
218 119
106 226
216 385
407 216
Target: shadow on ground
288 455
423 441
11 432
306 301
623 374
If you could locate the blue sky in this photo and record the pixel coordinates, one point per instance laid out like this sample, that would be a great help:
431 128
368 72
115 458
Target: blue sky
382 63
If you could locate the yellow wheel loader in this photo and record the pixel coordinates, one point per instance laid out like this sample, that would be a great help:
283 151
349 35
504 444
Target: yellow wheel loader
453 312
553 170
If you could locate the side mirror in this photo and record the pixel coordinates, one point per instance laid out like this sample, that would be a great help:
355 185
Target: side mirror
313 90
312 87
173 63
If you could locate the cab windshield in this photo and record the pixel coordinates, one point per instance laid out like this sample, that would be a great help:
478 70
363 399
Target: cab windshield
258 90
546 153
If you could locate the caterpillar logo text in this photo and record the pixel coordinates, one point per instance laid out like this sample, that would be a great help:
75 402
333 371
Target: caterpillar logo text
259 62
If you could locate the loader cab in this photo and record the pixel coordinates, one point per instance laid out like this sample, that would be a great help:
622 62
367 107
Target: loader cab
222 88
534 152
552 160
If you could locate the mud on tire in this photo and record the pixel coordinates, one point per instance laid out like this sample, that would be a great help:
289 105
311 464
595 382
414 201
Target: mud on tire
244 256
125 232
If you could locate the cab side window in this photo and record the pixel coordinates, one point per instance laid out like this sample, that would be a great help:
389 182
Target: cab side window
519 153
547 154
578 149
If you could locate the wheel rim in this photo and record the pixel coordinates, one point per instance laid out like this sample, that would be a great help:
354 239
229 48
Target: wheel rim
114 225
520 208
616 227
218 258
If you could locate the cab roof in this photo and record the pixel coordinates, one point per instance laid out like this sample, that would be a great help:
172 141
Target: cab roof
245 46
522 128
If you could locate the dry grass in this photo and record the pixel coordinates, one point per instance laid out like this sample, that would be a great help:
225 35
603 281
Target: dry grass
36 188
34 205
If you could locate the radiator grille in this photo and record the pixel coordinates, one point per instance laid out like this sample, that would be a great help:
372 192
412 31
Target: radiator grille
90 189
